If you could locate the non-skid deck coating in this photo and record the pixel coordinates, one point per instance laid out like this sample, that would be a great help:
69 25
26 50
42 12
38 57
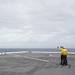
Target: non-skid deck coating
35 64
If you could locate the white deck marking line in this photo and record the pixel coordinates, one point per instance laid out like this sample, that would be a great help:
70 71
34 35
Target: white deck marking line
32 58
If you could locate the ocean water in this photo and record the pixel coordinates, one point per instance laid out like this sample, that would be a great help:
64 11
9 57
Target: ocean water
34 49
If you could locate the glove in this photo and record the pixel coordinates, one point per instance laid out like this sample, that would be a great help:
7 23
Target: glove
57 47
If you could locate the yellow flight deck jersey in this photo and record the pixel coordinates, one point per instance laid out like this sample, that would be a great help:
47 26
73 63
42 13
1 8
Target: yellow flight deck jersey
63 51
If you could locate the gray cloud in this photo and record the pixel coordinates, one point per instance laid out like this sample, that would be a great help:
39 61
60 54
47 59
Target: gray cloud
37 23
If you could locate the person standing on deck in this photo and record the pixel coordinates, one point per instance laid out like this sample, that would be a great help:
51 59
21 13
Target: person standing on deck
64 53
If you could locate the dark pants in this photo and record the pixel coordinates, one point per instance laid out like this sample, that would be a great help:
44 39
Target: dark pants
63 60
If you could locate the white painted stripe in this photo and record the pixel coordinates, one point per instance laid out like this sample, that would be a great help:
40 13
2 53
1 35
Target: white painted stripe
32 58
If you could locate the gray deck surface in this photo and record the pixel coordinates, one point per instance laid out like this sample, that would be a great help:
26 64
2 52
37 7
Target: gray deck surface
35 64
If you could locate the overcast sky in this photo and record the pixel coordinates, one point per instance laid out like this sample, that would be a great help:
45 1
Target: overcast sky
37 23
